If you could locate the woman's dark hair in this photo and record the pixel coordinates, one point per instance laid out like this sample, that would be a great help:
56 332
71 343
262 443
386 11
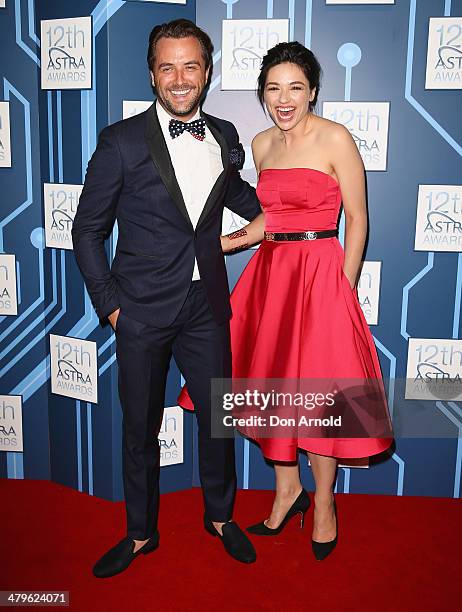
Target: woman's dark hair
180 28
293 53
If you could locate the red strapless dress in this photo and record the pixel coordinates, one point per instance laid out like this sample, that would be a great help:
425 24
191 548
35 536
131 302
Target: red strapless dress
294 312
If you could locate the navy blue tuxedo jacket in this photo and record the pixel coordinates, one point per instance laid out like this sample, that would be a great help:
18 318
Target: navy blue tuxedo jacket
130 178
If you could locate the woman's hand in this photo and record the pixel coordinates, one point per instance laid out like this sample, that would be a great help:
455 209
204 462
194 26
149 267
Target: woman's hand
351 280
244 237
225 244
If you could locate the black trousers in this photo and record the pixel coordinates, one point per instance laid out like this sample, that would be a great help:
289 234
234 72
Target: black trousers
202 351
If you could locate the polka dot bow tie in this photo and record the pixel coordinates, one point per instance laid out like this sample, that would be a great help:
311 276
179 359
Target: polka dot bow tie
196 128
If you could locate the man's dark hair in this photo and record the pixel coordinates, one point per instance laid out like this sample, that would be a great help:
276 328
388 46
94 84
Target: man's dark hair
293 53
180 28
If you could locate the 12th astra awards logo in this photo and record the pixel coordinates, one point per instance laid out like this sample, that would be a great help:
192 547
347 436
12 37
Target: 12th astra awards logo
5 139
368 125
8 295
434 369
369 290
170 436
74 371
244 43
444 53
66 53
60 204
439 218
11 423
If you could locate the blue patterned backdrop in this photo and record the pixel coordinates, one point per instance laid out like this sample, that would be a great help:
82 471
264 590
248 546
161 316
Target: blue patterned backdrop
53 135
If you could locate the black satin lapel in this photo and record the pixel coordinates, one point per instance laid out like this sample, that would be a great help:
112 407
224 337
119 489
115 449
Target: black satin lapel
161 158
219 183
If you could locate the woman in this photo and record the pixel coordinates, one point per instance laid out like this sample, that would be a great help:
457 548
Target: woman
295 310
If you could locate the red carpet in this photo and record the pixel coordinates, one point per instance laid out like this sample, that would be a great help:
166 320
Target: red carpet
393 554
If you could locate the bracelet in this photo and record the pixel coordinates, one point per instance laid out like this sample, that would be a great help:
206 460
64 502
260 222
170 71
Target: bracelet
238 234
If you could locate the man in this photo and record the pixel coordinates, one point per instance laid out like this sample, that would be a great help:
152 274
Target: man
165 175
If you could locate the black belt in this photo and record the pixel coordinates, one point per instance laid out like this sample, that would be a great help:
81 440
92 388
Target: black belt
308 235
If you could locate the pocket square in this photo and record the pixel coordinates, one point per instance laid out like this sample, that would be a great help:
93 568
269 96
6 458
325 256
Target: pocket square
237 156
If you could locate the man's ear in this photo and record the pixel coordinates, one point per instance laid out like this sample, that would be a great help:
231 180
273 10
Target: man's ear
207 72
153 83
312 94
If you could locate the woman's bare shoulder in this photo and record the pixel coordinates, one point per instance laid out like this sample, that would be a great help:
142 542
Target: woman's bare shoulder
263 139
261 144
333 132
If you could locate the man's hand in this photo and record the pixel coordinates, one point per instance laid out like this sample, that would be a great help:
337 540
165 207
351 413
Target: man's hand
113 318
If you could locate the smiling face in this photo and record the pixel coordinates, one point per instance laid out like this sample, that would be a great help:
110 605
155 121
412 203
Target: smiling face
287 95
179 75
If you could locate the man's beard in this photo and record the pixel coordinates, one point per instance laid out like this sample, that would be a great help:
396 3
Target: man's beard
183 111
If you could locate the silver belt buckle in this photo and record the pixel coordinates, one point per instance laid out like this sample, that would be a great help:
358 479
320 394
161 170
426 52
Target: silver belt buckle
311 235
269 235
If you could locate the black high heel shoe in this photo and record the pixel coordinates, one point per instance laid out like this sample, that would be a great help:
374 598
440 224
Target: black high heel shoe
322 549
300 506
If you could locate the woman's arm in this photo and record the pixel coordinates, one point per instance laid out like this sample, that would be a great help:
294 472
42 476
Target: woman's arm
245 237
349 168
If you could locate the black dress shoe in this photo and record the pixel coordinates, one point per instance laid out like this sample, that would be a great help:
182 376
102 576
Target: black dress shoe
300 506
236 543
322 549
118 558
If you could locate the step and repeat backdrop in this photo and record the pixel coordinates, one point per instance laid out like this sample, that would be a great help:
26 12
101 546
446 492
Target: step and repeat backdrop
392 76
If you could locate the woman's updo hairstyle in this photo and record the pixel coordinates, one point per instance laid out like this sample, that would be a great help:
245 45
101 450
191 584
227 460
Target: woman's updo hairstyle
293 53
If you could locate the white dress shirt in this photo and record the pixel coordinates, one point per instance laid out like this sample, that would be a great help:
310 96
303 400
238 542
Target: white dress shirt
197 166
